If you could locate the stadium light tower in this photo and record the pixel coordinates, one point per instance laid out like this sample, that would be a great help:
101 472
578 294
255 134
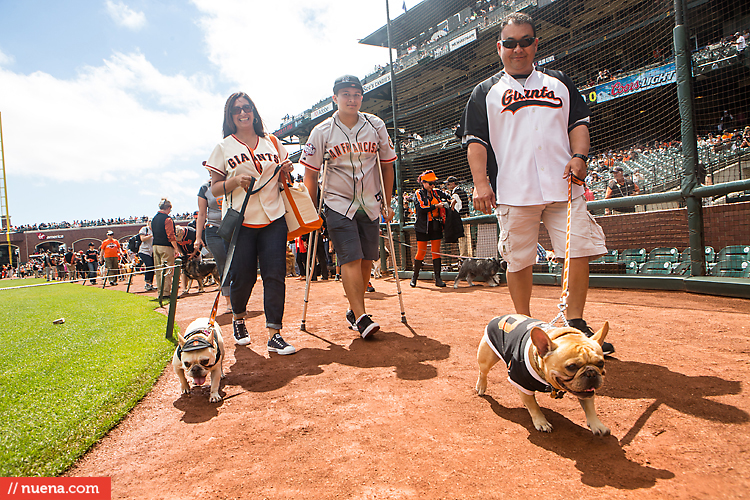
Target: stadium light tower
4 213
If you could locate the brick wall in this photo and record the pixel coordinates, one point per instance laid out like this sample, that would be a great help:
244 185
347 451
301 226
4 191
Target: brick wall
722 225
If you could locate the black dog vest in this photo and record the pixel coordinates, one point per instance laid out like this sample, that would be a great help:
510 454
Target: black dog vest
510 337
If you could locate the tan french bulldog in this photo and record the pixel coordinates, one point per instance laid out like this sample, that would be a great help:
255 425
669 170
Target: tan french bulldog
200 353
558 361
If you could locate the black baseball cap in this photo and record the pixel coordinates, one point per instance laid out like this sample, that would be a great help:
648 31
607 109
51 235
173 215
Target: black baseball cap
347 81
452 179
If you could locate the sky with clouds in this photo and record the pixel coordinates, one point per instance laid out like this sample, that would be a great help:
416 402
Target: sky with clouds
108 105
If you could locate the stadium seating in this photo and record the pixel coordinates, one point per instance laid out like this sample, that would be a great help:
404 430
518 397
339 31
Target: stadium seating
732 266
656 267
664 254
632 267
734 250
611 256
633 254
682 269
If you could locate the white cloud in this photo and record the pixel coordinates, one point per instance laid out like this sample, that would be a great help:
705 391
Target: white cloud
112 123
132 133
5 59
287 61
125 16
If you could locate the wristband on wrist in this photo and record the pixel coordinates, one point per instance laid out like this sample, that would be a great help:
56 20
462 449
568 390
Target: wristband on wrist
583 157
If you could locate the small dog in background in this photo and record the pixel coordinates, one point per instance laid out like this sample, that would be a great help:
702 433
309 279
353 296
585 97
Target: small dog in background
198 269
289 261
482 269
376 272
200 353
556 361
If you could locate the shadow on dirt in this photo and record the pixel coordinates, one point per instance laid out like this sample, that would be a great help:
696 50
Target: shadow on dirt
408 355
601 460
684 393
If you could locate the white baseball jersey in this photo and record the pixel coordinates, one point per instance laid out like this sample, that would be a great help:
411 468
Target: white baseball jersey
233 157
525 130
352 181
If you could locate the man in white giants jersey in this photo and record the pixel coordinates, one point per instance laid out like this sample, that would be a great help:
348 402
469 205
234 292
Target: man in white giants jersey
528 129
352 192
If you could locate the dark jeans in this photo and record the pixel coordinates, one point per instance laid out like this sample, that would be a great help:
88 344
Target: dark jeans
93 266
148 261
321 266
263 248
302 263
216 244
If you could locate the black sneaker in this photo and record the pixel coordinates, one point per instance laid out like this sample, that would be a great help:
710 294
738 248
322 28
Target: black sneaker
366 326
241 336
351 319
580 324
279 345
370 288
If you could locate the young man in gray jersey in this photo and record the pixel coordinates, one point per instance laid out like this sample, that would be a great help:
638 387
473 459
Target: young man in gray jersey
352 193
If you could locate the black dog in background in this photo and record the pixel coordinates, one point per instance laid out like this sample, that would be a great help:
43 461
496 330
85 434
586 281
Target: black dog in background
481 269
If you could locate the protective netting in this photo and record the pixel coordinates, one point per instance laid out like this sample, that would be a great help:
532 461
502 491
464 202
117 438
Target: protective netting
621 56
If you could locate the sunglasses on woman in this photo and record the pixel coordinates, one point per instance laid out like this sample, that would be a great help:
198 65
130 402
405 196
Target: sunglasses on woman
523 42
236 110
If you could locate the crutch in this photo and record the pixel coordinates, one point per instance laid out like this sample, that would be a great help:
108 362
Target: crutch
308 273
390 241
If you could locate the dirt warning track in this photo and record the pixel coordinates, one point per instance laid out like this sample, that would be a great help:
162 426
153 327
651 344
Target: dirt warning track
397 416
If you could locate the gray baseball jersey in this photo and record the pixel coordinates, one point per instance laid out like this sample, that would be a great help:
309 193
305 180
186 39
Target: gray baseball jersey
352 181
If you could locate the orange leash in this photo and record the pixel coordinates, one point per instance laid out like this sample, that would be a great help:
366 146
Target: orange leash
566 266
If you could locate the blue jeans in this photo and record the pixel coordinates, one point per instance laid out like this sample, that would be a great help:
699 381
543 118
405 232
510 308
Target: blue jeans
216 244
263 248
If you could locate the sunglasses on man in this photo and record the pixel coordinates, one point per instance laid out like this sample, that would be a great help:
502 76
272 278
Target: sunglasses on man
523 42
236 110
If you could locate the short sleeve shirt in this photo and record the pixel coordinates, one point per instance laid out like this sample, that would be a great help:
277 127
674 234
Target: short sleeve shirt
352 180
525 130
111 248
233 157
214 203
147 247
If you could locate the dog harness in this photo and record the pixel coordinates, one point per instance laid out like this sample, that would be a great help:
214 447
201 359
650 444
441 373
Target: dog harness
510 337
197 344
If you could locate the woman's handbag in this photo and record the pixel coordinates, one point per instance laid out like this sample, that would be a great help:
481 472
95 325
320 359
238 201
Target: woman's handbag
230 222
232 218
301 215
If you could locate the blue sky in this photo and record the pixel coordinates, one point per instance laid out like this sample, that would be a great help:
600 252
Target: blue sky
109 105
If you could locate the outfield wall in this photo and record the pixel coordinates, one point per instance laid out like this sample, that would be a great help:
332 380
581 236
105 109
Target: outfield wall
723 225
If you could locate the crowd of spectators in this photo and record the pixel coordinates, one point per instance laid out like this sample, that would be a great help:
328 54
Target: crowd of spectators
46 226
602 165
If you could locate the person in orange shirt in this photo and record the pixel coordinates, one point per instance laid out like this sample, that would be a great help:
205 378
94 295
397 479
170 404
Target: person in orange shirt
110 252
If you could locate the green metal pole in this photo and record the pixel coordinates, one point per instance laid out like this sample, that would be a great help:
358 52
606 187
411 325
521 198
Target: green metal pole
689 143
173 297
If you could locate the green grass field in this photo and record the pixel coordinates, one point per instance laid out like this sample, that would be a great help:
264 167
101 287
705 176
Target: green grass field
64 386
